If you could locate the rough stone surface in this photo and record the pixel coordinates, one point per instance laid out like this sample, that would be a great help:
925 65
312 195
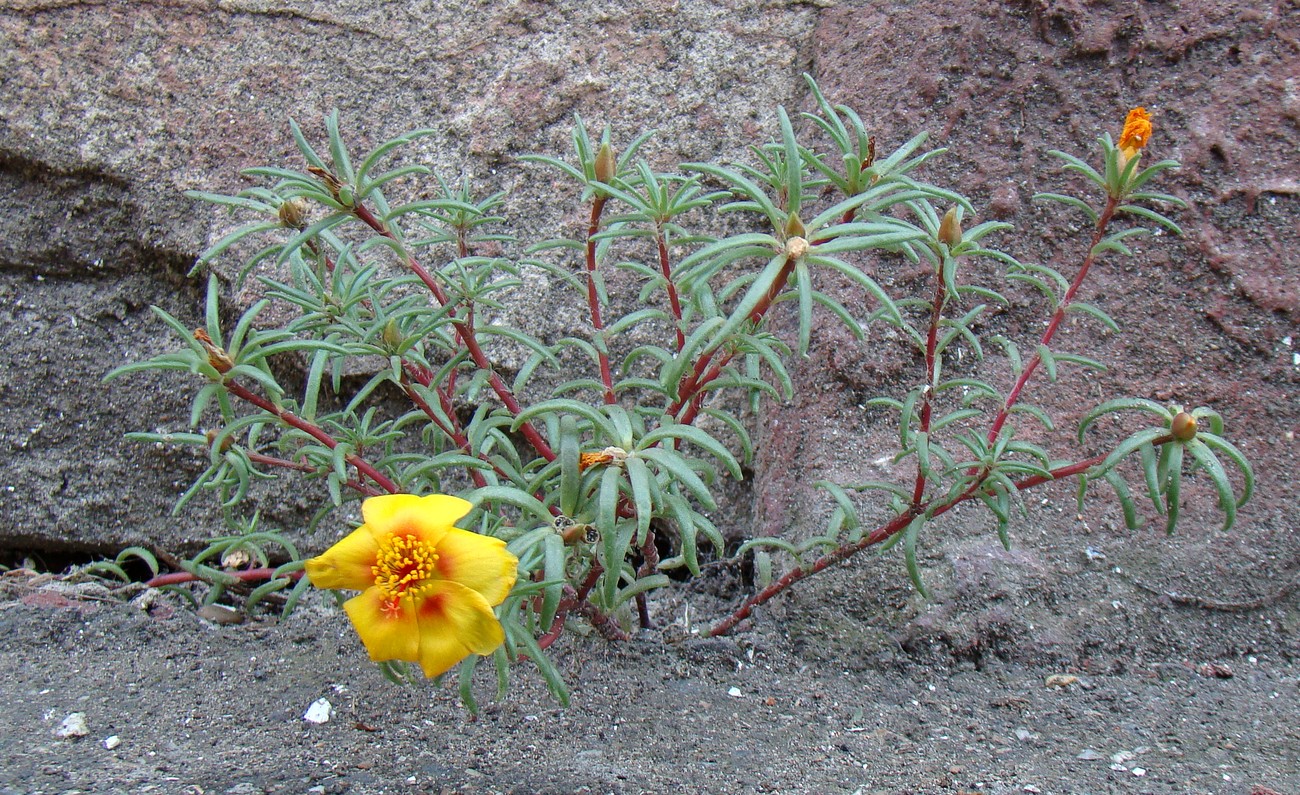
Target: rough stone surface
111 110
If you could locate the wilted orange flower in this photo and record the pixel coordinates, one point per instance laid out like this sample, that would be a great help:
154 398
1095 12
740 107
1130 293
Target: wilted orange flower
586 460
610 455
1136 134
427 588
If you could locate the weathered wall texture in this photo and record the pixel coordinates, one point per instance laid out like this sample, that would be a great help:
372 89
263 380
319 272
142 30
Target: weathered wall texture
111 109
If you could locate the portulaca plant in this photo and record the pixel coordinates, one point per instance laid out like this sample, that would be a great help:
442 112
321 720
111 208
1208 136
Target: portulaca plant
503 504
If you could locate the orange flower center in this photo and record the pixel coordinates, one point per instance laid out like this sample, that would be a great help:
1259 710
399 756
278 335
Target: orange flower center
403 565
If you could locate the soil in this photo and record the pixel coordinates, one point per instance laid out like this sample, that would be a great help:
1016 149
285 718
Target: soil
1087 659
197 707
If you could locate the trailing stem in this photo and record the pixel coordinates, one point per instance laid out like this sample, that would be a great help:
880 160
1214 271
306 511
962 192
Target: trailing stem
934 508
312 430
898 524
243 575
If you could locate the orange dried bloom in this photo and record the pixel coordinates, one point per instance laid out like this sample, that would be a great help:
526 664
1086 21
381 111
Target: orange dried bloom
586 460
1136 134
219 359
610 455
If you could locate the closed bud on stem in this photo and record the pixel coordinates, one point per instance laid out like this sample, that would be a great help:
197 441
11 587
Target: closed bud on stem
293 213
392 336
1183 428
794 227
950 227
606 164
211 435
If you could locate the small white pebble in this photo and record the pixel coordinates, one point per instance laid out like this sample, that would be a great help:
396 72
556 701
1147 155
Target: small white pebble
72 726
1139 771
112 741
320 711
735 693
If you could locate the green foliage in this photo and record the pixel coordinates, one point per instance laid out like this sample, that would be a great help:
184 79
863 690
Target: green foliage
1163 469
603 449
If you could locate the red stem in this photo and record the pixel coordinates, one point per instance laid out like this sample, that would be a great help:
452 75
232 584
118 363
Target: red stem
358 486
465 333
927 393
312 430
702 373
245 575
452 432
890 528
670 286
593 299
649 565
1107 213
577 600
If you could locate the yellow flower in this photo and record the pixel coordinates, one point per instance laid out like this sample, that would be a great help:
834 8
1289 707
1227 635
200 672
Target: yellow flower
1136 134
427 588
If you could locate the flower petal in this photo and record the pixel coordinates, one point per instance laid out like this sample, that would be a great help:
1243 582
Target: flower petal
347 564
388 628
454 622
427 517
480 563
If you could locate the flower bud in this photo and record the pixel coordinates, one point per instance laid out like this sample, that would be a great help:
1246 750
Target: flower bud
1183 428
950 228
606 164
293 213
794 227
392 336
211 435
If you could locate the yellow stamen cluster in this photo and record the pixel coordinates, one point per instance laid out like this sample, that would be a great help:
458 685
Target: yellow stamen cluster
403 563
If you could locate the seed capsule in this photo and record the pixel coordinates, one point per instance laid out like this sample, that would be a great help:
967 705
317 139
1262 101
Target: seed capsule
293 213
1183 428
